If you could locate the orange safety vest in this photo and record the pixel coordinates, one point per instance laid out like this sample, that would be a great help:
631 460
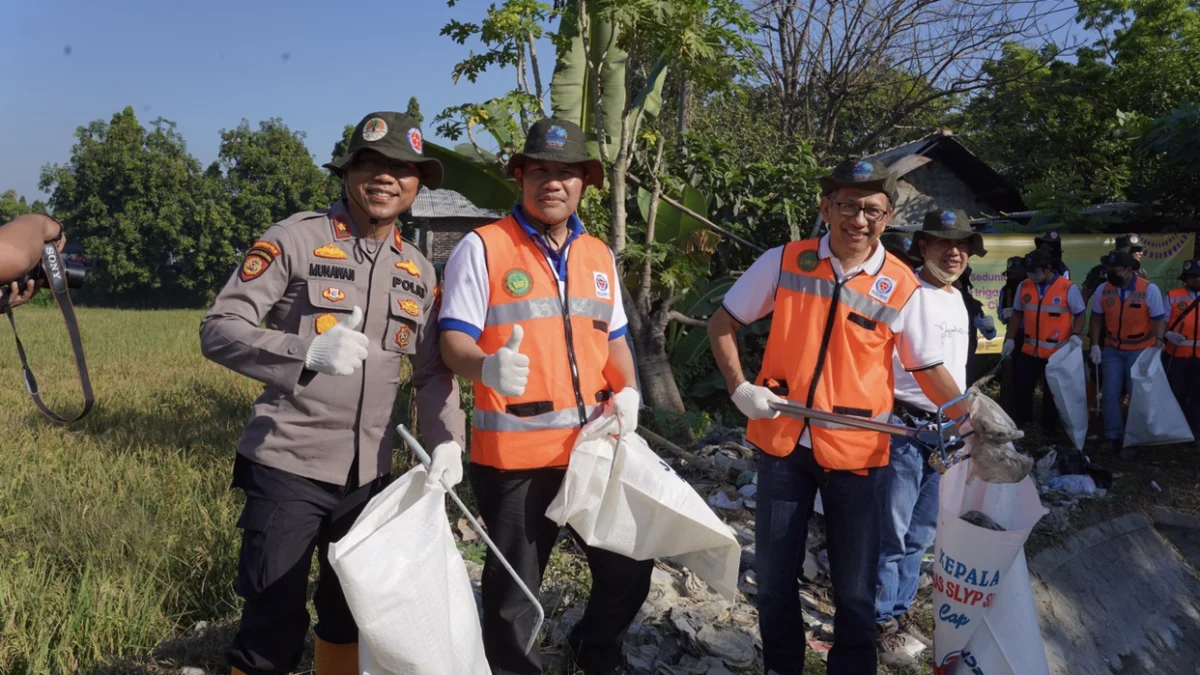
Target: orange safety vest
1047 317
1189 327
1127 328
567 347
849 371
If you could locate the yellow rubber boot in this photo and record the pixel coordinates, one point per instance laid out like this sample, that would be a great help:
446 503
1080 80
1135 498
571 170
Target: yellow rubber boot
331 659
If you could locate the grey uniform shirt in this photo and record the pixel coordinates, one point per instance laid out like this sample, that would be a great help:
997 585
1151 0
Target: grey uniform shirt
303 275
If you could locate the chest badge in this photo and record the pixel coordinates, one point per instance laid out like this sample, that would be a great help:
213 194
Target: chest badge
403 336
808 261
883 288
603 290
409 306
410 267
325 322
518 283
331 252
333 294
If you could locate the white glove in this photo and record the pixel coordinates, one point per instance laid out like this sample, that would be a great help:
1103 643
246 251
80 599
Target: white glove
1076 340
986 326
507 371
447 467
752 400
1097 357
625 404
1174 338
340 350
1006 313
1009 346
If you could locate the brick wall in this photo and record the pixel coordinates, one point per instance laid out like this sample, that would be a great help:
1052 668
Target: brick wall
439 236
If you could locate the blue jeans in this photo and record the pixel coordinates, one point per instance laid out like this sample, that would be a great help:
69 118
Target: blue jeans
1116 366
908 523
787 487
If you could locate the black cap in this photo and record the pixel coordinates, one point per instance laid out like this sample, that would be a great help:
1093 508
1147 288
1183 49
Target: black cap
1038 258
1191 268
1053 238
949 225
1015 264
557 140
1121 258
1130 242
396 136
861 174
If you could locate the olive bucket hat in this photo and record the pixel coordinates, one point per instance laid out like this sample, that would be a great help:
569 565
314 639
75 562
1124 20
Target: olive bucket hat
863 174
948 225
396 136
557 140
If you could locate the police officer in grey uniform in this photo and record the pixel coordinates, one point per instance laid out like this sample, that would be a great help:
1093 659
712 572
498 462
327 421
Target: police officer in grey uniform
344 300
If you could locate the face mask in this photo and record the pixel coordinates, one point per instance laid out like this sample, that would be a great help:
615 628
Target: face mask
1037 277
1116 278
943 278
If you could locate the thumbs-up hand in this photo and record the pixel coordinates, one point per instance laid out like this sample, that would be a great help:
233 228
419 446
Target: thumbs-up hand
340 350
507 371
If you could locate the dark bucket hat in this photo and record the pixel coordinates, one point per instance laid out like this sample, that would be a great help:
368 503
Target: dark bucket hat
1121 258
1191 268
1015 264
1131 243
557 140
396 136
1038 258
899 244
1052 238
948 225
861 174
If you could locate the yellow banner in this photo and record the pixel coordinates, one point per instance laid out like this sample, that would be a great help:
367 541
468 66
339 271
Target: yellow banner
1163 260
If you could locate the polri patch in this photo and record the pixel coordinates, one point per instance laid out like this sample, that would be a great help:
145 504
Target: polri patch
403 336
883 288
603 290
414 287
254 265
325 322
414 140
808 260
333 294
409 306
517 282
331 252
267 247
410 267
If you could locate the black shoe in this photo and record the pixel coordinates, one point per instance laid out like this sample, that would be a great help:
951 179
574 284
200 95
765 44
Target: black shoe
907 623
571 665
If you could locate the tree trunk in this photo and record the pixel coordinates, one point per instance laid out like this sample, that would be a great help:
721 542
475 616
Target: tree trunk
659 391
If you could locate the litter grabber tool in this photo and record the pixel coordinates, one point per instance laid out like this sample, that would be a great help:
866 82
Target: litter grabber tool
941 435
427 462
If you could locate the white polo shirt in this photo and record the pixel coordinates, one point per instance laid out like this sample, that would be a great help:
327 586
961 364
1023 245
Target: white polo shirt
951 328
753 296
466 290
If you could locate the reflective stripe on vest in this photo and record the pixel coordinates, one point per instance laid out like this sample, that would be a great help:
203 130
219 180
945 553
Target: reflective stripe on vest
1127 327
1047 325
830 348
567 347
1181 300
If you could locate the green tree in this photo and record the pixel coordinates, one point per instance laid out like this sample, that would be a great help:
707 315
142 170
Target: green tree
139 205
12 205
269 175
414 109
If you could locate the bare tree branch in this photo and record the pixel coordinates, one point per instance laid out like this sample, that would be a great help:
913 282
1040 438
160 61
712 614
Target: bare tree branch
686 320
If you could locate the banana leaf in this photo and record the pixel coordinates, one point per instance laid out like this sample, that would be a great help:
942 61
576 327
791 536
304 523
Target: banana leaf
573 90
482 184
673 226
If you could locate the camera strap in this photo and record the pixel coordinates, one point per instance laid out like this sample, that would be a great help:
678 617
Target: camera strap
57 278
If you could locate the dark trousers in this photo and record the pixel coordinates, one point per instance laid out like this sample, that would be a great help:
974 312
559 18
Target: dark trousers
1029 372
1184 376
285 519
787 488
513 506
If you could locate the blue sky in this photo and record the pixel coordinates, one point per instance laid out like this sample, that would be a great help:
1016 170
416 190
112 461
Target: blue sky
207 65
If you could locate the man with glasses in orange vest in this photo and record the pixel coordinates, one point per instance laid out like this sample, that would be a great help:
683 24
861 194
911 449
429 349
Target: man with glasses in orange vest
1183 344
842 307
1053 313
537 272
1128 314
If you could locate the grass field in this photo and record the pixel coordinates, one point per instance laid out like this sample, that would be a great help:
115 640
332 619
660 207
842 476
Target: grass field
118 529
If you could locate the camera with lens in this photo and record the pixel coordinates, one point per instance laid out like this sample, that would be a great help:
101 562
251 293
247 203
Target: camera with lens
53 264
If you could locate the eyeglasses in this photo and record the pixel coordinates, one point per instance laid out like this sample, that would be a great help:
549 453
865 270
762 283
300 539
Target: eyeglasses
851 210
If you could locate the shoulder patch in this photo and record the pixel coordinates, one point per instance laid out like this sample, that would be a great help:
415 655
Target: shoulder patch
254 265
267 247
403 336
331 252
883 288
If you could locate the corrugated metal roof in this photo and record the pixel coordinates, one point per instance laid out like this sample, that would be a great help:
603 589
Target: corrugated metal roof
448 204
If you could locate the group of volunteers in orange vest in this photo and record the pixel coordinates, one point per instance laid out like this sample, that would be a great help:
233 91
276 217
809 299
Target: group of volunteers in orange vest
1129 314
